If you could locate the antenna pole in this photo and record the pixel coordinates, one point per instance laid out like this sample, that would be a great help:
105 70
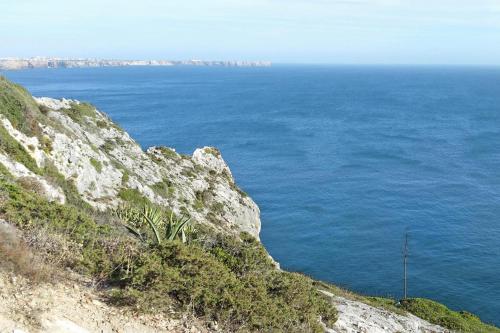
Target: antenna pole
405 263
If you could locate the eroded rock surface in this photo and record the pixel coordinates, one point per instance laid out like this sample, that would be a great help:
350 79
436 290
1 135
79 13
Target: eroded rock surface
358 317
108 168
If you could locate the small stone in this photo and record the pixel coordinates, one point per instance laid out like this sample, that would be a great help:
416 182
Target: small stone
97 303
213 325
18 330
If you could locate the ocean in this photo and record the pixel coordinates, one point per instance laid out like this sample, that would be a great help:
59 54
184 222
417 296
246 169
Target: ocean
342 160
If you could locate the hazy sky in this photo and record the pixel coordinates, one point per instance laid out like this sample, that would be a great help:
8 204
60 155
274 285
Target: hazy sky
304 31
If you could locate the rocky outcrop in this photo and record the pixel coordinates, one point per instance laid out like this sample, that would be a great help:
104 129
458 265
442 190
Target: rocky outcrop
108 168
358 317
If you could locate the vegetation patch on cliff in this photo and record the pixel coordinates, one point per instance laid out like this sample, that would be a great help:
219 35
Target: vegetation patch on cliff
439 314
16 151
214 277
96 164
17 105
80 111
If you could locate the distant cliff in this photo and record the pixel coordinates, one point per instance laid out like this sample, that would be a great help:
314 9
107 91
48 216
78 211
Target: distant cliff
17 63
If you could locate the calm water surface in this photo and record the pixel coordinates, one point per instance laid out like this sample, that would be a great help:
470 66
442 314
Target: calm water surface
341 160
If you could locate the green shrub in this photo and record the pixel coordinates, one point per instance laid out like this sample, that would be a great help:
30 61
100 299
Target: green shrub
169 153
102 124
31 184
16 151
240 256
165 188
213 151
218 208
439 314
79 111
26 209
17 105
198 282
108 146
133 197
46 144
97 249
198 205
96 164
125 177
4 173
188 172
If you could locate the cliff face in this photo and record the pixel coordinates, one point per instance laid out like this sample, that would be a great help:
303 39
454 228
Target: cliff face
16 64
109 169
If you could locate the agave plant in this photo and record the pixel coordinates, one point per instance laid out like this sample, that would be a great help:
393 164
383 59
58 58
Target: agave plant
132 221
162 227
189 233
175 227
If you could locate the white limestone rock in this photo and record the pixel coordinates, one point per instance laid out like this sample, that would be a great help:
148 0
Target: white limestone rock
55 104
210 158
358 317
103 161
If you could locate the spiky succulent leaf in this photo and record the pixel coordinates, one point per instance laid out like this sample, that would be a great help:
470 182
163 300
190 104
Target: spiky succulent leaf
154 218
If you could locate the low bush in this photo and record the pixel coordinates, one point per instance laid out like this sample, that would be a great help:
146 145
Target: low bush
133 197
213 151
16 256
169 153
46 144
79 111
439 314
96 164
88 240
180 277
165 188
17 105
102 124
16 151
31 184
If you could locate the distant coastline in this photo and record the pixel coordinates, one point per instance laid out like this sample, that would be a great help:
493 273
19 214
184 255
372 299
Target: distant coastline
42 62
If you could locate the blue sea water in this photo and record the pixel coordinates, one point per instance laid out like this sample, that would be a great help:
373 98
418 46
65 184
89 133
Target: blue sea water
341 160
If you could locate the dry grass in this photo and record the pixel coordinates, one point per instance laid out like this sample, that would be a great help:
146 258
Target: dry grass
16 257
58 252
31 184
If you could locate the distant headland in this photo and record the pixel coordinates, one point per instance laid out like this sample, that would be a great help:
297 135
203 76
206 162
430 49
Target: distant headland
42 62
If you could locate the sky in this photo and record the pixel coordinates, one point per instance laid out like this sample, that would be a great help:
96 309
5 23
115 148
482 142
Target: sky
283 31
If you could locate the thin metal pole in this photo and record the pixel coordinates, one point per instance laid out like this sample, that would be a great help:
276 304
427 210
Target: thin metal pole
405 263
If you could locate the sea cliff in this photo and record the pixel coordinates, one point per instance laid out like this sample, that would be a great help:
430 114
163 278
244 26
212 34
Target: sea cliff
41 62
74 188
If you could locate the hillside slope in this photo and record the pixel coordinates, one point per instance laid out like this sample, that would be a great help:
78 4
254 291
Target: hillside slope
70 180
